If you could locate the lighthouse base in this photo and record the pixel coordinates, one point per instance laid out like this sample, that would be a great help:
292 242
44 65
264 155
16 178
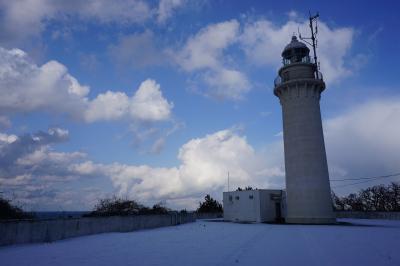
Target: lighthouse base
302 220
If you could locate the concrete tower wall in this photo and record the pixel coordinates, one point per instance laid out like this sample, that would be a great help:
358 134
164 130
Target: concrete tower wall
296 71
307 178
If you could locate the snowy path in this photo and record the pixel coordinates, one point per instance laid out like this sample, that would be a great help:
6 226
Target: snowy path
218 243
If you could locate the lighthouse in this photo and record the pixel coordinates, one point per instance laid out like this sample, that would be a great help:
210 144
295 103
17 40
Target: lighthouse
299 86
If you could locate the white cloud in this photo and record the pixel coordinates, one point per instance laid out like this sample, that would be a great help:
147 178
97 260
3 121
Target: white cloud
203 169
120 11
84 168
263 42
365 140
38 176
28 18
293 15
205 49
227 83
22 19
44 154
204 52
27 87
166 9
158 145
148 103
27 147
5 138
25 19
108 106
136 50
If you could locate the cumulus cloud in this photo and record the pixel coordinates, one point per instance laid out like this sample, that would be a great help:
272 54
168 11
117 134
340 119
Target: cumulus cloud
36 175
13 148
204 165
27 87
364 141
147 104
263 42
28 18
33 165
109 106
204 52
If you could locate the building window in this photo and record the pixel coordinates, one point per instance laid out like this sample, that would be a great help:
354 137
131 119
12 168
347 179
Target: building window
237 197
230 198
250 196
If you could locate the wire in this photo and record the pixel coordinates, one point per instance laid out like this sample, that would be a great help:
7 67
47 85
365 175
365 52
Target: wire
365 180
362 178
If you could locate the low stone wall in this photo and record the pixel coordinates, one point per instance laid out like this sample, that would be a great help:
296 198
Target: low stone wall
31 231
209 215
368 215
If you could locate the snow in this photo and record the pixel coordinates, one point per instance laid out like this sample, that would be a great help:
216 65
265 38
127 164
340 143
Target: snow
366 242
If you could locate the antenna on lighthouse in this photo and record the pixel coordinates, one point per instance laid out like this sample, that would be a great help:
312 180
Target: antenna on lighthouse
313 38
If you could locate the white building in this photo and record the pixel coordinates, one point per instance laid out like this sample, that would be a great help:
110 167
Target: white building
260 205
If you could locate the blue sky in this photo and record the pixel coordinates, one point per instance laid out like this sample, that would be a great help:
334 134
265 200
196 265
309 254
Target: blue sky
158 100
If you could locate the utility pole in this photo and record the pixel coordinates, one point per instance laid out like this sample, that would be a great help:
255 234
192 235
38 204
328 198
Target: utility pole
228 181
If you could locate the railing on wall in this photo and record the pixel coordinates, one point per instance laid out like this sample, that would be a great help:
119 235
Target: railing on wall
305 59
278 80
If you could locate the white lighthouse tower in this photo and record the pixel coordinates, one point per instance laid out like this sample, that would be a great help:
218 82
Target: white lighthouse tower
299 87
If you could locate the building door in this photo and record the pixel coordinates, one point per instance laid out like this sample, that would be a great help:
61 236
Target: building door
278 213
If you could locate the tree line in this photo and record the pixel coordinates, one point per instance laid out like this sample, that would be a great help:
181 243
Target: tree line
376 198
11 211
116 206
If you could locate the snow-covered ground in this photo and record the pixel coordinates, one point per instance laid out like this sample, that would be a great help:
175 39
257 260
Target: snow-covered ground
370 242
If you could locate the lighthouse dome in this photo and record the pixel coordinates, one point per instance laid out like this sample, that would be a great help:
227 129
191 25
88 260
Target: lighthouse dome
295 52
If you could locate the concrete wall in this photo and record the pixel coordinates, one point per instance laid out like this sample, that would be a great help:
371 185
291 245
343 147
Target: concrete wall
267 204
251 205
368 215
241 206
209 215
31 231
